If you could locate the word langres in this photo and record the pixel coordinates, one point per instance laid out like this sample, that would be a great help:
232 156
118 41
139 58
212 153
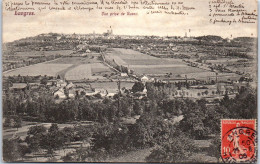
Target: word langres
23 13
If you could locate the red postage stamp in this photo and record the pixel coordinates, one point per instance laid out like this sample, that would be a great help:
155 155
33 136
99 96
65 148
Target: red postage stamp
238 141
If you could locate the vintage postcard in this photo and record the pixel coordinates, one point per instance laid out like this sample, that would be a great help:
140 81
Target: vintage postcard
169 81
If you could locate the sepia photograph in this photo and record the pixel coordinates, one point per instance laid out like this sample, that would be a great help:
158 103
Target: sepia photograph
162 81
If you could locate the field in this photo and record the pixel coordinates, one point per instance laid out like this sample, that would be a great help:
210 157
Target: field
99 68
38 69
47 53
212 76
87 67
75 60
71 68
170 69
246 66
130 57
144 64
84 71
156 61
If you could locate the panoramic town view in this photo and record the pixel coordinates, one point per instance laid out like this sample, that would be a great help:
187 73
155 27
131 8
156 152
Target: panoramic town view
101 97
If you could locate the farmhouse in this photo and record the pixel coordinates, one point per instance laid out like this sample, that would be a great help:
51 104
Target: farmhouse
124 74
60 93
144 79
72 93
102 92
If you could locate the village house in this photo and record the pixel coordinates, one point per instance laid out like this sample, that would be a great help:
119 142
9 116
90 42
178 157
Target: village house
72 93
124 74
61 83
70 85
60 93
102 92
144 79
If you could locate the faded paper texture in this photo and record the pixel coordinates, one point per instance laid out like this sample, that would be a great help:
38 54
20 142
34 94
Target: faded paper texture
128 80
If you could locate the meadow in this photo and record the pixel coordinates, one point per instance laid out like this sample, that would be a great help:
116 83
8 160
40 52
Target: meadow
38 69
171 69
70 68
46 53
212 76
99 68
74 60
84 71
144 64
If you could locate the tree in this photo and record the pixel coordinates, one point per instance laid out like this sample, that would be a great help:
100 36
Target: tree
54 128
226 101
213 92
192 123
213 82
176 150
82 93
138 109
138 87
69 134
143 128
53 140
7 122
35 137
11 150
44 81
243 106
98 95
17 122
23 149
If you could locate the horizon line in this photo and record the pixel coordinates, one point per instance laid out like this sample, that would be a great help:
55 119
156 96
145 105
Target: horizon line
181 36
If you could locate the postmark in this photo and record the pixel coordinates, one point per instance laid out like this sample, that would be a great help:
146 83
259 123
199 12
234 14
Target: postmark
238 141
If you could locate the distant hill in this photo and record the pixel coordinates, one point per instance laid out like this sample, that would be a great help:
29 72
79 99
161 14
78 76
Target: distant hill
245 39
210 38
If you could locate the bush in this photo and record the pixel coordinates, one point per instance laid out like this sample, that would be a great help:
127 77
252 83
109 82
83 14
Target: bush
138 87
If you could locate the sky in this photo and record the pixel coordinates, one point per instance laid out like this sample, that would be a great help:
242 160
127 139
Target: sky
83 22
